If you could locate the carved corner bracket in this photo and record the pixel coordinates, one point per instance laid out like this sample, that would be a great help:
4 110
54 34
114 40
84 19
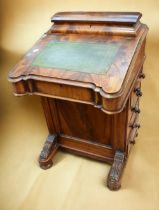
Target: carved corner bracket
116 171
48 151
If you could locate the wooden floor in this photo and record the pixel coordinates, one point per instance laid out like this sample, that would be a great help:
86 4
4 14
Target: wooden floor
74 183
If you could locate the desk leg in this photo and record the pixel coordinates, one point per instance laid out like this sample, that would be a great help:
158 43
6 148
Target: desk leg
49 149
116 171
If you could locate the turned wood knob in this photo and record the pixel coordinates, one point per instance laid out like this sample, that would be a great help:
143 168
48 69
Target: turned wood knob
136 110
136 135
135 125
142 76
132 142
138 92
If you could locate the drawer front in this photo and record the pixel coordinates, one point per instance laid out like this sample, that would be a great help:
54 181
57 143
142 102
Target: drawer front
131 140
133 110
133 131
135 96
136 93
133 123
133 113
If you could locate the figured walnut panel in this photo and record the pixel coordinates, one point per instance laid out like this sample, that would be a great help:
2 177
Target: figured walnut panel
64 91
85 122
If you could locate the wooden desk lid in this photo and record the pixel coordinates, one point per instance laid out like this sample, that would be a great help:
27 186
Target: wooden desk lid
97 17
95 51
88 57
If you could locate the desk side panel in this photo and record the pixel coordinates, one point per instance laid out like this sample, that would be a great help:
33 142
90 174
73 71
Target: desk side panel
86 130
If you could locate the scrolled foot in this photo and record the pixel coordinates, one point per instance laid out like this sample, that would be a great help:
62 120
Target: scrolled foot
116 171
48 151
46 165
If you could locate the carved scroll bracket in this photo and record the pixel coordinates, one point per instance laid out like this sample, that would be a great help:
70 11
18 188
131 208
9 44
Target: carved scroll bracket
48 151
116 171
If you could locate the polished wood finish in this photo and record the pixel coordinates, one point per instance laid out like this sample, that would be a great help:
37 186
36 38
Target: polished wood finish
94 115
126 18
119 23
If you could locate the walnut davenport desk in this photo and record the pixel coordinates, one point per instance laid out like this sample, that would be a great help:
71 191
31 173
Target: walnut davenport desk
88 69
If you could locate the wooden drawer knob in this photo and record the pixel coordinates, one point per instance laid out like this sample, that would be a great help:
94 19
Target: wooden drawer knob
136 109
142 76
133 141
135 125
138 92
136 135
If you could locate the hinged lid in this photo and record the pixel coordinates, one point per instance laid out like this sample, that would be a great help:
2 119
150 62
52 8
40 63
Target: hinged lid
126 18
121 23
97 53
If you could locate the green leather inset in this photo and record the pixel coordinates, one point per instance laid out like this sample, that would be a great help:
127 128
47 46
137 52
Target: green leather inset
93 58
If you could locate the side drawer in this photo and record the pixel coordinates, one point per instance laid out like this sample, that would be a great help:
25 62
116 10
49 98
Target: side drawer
133 132
131 140
136 93
134 123
133 110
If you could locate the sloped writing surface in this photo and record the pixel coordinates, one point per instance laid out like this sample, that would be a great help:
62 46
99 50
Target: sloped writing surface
88 57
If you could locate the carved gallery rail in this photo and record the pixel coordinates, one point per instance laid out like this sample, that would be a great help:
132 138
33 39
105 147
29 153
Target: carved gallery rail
88 69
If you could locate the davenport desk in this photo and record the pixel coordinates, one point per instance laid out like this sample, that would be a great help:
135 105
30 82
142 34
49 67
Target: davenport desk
88 69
